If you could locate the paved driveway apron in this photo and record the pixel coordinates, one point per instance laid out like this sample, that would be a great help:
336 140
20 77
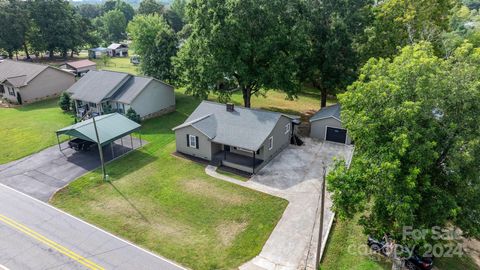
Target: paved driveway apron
42 174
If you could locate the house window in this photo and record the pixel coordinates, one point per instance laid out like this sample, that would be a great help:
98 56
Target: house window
11 91
287 128
270 143
192 141
93 105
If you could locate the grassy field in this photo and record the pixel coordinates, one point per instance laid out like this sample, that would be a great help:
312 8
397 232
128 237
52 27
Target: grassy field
29 129
169 205
347 250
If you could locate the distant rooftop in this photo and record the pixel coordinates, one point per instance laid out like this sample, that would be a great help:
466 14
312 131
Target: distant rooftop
20 73
81 64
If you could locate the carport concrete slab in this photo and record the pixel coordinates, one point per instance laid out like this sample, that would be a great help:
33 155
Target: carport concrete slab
42 174
296 175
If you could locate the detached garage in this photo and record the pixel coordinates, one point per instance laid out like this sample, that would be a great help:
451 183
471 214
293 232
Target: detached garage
326 125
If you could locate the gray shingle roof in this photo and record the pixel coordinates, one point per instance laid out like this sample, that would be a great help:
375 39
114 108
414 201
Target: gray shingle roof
130 90
245 128
28 71
95 86
330 111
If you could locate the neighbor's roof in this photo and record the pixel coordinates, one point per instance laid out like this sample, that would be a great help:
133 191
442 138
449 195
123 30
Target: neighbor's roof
19 73
114 46
244 127
130 90
99 49
81 64
110 128
97 85
330 111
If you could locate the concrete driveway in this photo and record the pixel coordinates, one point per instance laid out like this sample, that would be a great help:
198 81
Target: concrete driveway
40 175
295 175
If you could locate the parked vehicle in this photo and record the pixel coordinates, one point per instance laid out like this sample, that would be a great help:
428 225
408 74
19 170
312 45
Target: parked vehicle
135 59
80 144
413 262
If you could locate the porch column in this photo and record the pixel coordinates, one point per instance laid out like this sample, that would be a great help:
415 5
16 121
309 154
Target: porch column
253 165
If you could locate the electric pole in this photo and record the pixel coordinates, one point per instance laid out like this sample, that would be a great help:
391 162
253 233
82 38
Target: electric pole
100 151
322 214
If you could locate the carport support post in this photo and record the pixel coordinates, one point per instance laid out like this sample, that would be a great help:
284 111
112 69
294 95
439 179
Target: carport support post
59 146
322 214
100 151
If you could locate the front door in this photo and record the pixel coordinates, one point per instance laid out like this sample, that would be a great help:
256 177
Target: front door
226 148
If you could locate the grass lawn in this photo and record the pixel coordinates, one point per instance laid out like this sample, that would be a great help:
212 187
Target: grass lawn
346 249
29 129
169 205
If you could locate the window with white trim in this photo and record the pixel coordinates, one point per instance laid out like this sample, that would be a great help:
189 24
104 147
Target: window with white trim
11 91
287 128
193 141
270 143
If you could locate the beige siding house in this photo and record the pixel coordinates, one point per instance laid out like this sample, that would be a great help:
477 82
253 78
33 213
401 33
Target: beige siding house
237 137
100 92
28 82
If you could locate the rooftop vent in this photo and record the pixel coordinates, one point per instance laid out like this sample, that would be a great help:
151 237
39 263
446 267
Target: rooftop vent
230 107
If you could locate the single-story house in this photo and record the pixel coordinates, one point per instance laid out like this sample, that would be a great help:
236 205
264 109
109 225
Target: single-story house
23 82
80 67
326 125
233 136
97 52
101 92
117 49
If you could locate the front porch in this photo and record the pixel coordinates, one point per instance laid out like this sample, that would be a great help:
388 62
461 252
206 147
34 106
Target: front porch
237 161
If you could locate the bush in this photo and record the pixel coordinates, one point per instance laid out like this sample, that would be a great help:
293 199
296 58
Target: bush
64 101
132 115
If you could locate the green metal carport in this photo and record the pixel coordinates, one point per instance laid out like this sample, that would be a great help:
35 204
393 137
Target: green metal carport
101 130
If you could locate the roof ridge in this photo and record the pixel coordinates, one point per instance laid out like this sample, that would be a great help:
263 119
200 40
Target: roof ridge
251 109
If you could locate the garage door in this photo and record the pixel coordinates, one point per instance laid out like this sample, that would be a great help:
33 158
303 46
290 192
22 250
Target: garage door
338 135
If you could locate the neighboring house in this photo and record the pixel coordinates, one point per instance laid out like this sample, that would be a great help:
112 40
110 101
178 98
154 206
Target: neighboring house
326 125
80 67
233 136
117 49
99 92
28 82
97 52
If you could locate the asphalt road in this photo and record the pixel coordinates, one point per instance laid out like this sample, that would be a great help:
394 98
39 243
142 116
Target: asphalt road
35 235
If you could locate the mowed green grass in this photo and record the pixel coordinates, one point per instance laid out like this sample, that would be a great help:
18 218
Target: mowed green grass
170 206
29 129
347 250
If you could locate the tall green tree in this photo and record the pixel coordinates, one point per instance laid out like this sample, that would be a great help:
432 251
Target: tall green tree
246 45
156 43
148 7
114 26
54 32
399 23
121 6
414 120
89 11
180 8
14 26
331 62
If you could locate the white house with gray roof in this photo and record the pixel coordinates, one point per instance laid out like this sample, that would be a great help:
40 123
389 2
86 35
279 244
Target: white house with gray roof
326 125
99 92
29 82
233 136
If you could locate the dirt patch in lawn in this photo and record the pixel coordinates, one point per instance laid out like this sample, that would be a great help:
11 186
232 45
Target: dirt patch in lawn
205 189
227 232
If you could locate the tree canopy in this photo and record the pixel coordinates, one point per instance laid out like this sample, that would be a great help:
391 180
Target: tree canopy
414 120
249 45
148 7
156 43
